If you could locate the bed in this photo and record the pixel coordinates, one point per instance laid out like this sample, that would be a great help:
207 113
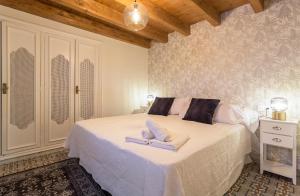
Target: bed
208 164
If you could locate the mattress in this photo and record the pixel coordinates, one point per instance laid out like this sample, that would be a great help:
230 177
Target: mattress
208 164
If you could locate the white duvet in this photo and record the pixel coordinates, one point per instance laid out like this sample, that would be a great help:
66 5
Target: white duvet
208 164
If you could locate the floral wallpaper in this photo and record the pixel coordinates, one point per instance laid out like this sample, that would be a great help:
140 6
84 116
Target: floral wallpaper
247 60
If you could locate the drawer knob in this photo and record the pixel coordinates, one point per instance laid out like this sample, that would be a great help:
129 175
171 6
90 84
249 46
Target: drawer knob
276 128
276 140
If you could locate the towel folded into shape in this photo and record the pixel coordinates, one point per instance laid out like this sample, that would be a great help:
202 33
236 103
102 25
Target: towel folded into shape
138 139
175 144
147 135
161 134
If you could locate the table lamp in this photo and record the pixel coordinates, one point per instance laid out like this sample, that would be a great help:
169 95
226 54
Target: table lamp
279 105
150 99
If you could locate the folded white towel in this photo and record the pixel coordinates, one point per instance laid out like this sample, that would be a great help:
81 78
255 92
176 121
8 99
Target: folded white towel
147 134
137 139
159 133
173 145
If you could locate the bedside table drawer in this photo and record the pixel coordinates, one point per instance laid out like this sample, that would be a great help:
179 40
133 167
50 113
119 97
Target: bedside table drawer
278 140
277 128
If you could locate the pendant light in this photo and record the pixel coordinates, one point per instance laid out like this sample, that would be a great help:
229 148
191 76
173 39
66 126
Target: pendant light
135 16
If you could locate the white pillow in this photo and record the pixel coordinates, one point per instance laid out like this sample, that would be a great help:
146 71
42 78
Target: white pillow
228 113
180 105
184 109
251 119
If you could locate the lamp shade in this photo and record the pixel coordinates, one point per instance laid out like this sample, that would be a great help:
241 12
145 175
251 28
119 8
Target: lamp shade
279 104
150 98
135 16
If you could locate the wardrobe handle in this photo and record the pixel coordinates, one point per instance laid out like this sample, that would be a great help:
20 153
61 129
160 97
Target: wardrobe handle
77 89
4 88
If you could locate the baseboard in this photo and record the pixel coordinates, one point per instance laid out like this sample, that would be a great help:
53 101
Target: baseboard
28 152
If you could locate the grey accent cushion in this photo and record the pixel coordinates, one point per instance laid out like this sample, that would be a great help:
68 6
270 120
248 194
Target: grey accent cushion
202 110
161 106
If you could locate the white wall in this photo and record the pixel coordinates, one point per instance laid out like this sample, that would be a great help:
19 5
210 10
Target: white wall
125 79
124 66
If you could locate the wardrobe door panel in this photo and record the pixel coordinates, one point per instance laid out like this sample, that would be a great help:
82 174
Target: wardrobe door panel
59 88
20 87
88 86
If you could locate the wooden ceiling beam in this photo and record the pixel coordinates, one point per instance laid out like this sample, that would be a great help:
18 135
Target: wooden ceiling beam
104 13
209 12
43 10
257 5
159 15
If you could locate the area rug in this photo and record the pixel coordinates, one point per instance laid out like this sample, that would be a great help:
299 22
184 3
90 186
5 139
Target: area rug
66 178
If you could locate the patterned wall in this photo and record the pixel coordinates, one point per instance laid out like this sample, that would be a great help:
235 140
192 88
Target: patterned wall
247 60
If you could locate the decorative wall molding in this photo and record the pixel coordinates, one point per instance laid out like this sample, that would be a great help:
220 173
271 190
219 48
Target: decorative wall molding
22 88
87 69
60 81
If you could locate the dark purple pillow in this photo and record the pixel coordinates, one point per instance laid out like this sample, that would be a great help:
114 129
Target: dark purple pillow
161 106
201 110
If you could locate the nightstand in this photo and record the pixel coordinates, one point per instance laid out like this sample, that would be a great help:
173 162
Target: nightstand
281 134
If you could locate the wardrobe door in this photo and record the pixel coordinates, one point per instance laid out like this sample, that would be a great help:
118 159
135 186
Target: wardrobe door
20 87
88 85
59 87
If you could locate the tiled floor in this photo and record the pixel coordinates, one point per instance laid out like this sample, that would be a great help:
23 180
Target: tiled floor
32 161
249 183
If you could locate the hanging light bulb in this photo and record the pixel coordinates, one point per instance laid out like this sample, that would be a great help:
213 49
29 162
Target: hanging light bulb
135 16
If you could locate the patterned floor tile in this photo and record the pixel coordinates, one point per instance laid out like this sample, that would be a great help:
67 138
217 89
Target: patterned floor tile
250 182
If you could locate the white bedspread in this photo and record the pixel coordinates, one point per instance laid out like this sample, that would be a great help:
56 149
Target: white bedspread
208 164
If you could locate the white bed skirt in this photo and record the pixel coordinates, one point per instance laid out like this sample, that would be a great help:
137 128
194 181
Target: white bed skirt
216 189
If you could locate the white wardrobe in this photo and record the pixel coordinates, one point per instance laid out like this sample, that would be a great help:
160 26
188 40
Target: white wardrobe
50 79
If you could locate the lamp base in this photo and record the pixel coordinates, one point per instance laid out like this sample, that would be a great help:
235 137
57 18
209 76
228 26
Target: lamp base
279 116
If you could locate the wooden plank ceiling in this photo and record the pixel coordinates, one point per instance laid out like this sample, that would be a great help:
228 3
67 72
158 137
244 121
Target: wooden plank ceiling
105 17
